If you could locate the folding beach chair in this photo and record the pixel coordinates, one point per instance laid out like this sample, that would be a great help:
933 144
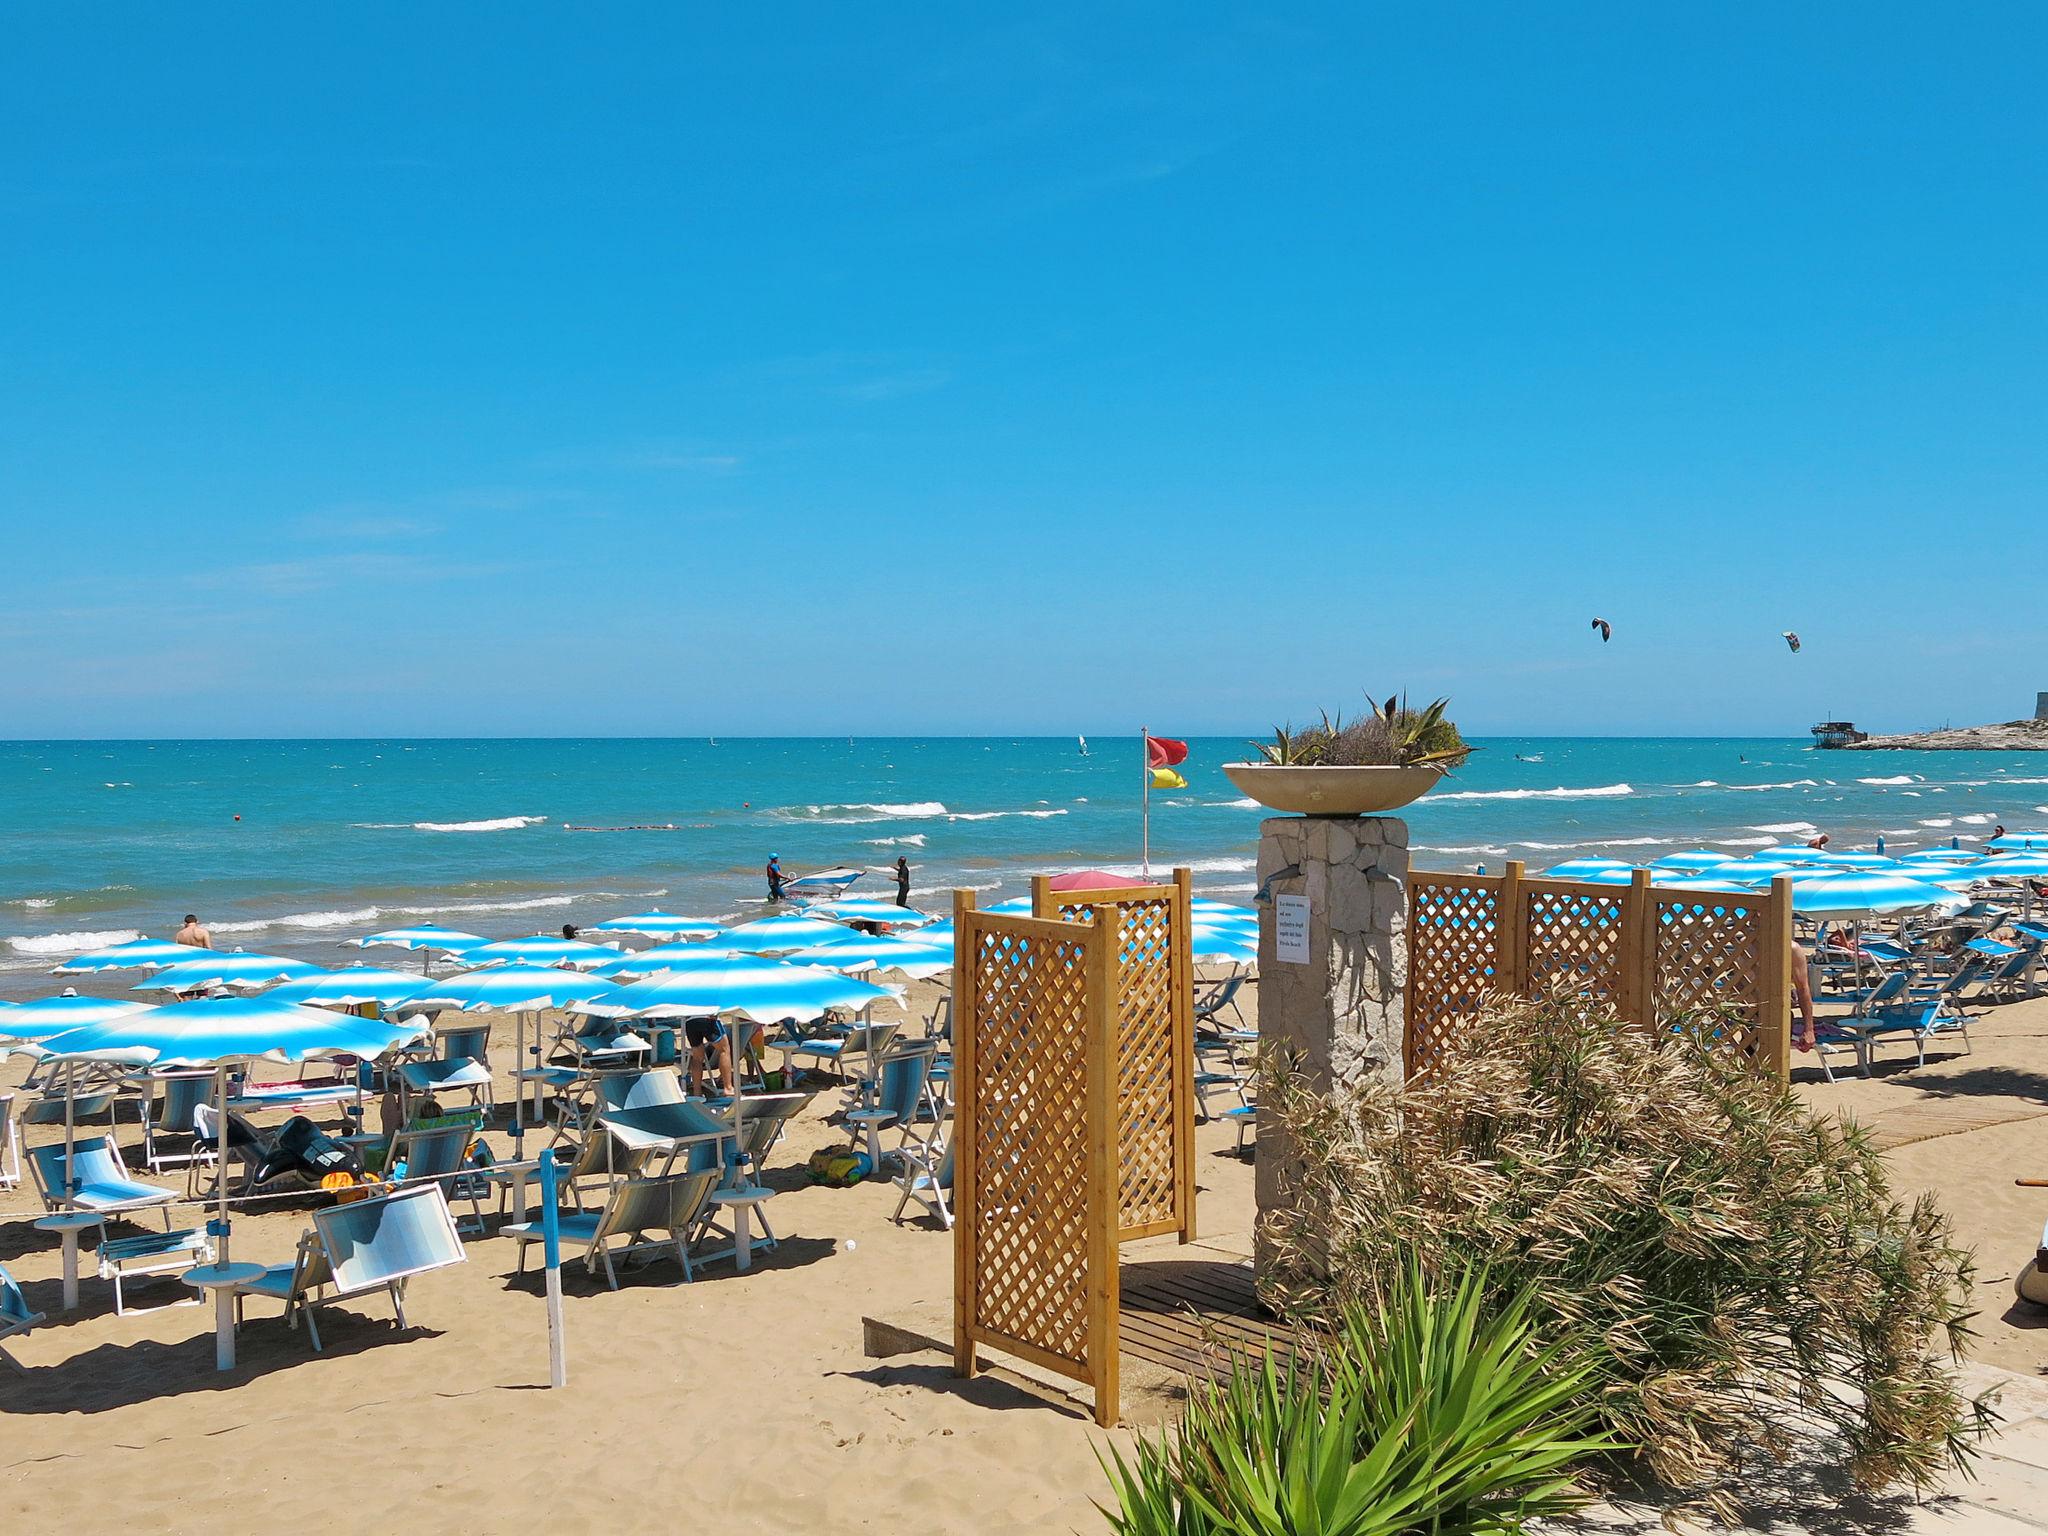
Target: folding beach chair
103 1183
672 1205
1221 995
168 1106
152 1253
440 1155
10 1144
365 1246
438 1076
863 1041
15 1316
901 1098
49 1109
1244 1119
247 1147
926 1176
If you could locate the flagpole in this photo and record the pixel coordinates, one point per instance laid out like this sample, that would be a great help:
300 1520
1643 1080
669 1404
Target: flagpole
1145 766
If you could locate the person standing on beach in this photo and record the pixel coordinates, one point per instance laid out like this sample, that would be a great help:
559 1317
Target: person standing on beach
1802 992
193 933
902 881
774 873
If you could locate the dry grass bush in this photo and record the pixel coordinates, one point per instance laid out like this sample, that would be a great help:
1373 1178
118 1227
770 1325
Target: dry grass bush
1754 1288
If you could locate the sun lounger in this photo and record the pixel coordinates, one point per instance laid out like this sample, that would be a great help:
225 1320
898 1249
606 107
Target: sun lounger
865 1041
672 1205
49 1109
15 1315
439 1076
364 1246
1210 1005
100 1181
1917 1024
1244 1119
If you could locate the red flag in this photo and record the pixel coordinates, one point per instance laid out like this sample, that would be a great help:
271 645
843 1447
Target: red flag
1164 752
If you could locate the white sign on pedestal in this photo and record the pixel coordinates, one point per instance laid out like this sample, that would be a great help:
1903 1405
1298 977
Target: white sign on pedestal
1290 929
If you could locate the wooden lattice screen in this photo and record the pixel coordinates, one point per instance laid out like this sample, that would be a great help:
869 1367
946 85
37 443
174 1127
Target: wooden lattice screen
1650 953
1155 1047
1035 1233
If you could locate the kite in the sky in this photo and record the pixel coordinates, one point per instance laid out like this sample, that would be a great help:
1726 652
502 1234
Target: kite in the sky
1792 640
1606 630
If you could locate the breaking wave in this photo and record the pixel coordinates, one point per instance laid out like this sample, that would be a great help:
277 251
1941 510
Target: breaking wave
1597 792
62 944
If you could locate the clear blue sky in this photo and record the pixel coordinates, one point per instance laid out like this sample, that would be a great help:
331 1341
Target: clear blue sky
515 369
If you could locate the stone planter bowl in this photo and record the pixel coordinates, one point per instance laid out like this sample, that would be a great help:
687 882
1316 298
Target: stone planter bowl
1332 791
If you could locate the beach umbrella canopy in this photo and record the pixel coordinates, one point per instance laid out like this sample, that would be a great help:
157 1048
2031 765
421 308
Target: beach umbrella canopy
426 936
538 949
2011 866
1209 905
778 935
645 962
216 1029
230 968
514 987
1855 860
1224 946
147 954
748 985
1696 858
856 909
1788 854
2019 840
40 1018
859 952
1578 869
659 925
1854 893
1941 855
350 986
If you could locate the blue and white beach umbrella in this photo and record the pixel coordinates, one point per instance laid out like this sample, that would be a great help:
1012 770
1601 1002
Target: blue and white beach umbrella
659 925
746 985
231 968
858 953
43 1017
1224 946
514 988
352 986
426 936
2018 840
538 949
1696 858
645 962
1941 856
216 1030
1579 869
143 954
781 935
2011 866
858 909
1850 860
1852 893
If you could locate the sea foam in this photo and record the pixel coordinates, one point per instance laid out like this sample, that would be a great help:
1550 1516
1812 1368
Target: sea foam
70 943
1597 792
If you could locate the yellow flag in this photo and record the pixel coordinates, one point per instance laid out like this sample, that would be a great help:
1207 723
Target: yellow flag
1166 778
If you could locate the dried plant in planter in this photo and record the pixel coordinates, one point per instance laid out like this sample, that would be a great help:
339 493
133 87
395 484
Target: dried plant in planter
1755 1286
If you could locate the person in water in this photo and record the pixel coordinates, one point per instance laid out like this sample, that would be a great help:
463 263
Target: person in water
902 881
1818 840
193 933
569 931
774 874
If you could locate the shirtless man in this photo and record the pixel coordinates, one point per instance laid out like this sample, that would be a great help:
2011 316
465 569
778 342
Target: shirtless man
193 933
1802 990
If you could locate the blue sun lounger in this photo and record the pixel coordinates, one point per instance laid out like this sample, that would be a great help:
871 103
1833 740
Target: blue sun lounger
15 1314
103 1184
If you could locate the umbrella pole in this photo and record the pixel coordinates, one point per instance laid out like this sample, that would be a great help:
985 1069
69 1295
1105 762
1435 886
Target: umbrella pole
220 1170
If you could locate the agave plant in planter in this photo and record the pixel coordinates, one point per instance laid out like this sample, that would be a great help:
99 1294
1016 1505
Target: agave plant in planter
1386 758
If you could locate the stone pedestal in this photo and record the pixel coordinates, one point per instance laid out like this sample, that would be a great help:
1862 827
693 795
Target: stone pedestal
1337 1015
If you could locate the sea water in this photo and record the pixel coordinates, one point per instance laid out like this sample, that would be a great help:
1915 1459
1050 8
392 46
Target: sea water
291 846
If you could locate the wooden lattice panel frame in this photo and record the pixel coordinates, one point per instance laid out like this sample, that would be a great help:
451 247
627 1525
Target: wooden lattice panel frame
1709 967
1650 953
1574 940
1454 957
1034 1146
1155 1040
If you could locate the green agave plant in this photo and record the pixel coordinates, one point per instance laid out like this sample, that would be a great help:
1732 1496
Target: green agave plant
1430 1415
1387 735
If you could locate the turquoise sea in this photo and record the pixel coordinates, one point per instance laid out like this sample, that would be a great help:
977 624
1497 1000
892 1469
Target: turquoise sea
290 846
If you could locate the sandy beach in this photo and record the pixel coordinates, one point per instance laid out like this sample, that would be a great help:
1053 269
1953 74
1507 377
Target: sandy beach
740 1402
